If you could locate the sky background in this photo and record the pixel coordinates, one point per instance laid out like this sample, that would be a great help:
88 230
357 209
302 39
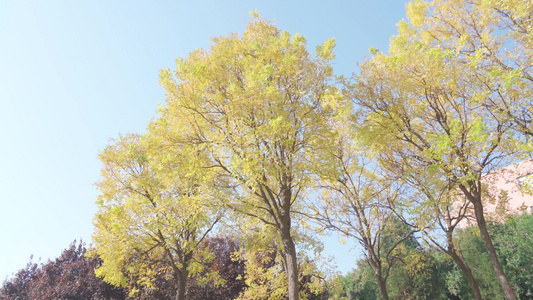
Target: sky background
74 74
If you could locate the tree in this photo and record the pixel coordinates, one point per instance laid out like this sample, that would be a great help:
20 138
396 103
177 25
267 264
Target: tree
493 40
514 245
431 108
438 212
360 283
20 285
152 211
357 200
230 268
358 203
227 285
257 103
69 276
265 277
419 273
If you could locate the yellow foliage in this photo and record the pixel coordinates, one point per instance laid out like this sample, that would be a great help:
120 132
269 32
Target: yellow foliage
153 207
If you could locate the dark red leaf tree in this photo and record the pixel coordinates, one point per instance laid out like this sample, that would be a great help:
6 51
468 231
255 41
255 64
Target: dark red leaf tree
70 276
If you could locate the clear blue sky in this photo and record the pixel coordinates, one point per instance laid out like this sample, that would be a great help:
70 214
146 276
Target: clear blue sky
74 74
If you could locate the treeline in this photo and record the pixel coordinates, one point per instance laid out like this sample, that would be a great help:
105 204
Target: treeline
421 273
71 276
260 140
424 272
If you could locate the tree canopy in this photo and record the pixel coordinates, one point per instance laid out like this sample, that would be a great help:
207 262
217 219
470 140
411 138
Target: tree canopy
152 209
438 97
258 135
257 103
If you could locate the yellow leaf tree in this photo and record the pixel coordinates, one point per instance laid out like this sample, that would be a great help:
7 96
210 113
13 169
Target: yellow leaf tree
450 94
436 209
494 40
256 103
153 212
358 201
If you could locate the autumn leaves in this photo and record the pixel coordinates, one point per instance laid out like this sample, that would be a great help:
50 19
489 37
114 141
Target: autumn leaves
256 132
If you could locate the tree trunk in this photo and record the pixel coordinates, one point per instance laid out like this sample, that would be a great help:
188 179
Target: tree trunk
182 284
289 249
467 272
482 225
382 283
461 262
375 263
291 266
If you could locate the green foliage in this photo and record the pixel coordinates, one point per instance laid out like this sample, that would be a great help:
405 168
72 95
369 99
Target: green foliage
514 244
421 275
360 283
427 283
475 253
432 275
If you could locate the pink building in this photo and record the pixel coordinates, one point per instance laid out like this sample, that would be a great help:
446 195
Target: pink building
508 191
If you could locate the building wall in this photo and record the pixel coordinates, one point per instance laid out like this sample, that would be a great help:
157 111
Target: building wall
508 191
